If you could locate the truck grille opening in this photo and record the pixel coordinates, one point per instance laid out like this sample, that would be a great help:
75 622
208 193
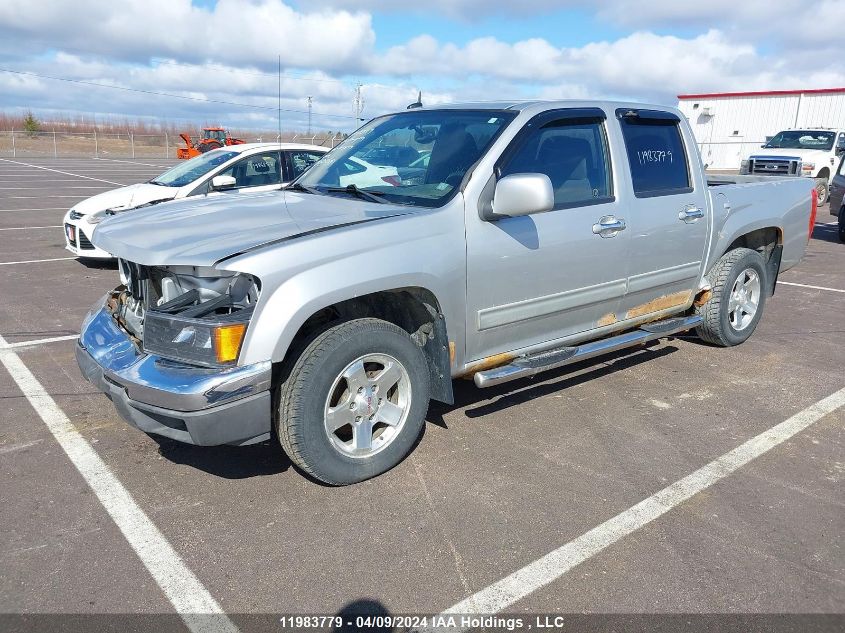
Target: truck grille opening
762 166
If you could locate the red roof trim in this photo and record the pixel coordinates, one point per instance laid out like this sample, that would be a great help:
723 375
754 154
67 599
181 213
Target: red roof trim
764 93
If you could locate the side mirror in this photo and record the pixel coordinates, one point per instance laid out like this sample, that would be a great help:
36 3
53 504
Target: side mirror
223 183
521 194
840 150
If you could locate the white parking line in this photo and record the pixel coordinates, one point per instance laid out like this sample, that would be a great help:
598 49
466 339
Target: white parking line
61 187
39 341
131 162
37 261
58 171
42 209
788 283
75 195
198 608
504 593
27 228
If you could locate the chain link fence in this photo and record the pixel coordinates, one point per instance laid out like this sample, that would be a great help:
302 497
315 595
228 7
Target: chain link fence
20 144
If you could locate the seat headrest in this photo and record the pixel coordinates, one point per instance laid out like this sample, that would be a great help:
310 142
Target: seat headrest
560 147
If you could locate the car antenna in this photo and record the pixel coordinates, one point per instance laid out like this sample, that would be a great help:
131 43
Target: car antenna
417 103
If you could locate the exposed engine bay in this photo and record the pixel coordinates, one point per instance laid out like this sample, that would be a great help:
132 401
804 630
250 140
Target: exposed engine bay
180 291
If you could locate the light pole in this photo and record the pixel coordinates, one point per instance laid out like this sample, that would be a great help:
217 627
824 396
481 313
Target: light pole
310 99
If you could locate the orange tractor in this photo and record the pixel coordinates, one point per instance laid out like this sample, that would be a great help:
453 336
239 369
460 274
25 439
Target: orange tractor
212 138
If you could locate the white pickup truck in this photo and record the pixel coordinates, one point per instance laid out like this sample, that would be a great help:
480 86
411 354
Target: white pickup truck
813 153
533 235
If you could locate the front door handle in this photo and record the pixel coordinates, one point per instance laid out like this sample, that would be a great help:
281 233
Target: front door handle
690 214
609 226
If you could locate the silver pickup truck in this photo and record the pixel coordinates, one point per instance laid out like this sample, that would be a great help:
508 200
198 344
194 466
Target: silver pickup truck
517 238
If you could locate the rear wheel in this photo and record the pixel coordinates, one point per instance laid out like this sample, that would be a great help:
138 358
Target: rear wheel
210 145
731 314
354 402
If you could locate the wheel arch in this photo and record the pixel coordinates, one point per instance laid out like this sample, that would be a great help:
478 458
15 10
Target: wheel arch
415 309
768 241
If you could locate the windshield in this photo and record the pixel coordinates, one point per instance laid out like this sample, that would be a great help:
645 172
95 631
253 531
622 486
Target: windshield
187 172
802 139
417 157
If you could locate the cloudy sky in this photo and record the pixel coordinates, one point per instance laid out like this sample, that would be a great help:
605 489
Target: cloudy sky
221 56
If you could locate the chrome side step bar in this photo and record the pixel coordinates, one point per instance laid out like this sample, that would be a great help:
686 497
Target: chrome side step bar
532 364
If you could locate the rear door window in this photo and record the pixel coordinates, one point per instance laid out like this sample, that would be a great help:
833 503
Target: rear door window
655 153
301 161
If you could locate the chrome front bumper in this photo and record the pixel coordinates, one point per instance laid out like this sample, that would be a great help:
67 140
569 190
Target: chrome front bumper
184 402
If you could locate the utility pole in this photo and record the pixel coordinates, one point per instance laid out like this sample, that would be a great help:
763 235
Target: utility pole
279 140
310 99
359 103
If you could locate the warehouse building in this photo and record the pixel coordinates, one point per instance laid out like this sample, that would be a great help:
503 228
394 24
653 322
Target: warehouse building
730 125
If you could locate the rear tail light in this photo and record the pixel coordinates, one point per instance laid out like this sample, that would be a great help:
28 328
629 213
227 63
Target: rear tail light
395 181
814 207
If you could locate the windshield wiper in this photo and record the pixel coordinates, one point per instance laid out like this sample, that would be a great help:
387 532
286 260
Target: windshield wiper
156 182
372 196
298 187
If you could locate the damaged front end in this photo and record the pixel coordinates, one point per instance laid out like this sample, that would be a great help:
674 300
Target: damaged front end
195 315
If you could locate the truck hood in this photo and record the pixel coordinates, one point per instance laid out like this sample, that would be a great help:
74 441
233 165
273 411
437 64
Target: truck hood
809 155
202 231
125 198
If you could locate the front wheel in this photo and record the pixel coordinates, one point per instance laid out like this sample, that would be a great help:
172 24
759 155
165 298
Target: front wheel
731 314
354 402
821 190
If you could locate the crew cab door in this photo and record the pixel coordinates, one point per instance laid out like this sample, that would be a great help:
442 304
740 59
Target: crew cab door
540 277
668 213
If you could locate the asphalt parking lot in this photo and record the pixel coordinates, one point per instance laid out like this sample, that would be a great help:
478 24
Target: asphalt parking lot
500 480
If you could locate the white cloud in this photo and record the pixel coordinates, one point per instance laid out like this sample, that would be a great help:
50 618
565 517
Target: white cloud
236 31
223 54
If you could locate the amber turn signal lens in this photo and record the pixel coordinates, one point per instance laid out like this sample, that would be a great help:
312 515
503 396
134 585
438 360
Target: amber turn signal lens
227 341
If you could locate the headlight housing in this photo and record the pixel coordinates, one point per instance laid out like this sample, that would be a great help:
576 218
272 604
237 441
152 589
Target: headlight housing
197 316
212 342
743 167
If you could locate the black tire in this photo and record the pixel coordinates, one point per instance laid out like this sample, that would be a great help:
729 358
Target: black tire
822 190
304 393
210 145
842 224
717 327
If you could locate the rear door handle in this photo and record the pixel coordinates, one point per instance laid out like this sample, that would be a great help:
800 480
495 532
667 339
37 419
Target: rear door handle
609 226
690 214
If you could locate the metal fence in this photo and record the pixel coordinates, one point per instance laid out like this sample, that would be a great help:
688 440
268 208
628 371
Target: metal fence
56 144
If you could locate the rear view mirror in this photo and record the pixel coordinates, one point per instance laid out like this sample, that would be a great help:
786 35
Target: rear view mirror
222 183
522 194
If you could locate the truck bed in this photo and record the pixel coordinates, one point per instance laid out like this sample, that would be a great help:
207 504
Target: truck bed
742 204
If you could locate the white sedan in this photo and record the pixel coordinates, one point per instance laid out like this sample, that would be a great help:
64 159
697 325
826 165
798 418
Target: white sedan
249 167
